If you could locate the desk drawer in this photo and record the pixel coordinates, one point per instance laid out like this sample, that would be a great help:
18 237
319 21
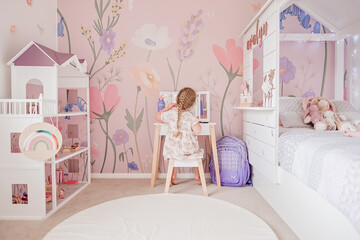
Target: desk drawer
264 150
262 133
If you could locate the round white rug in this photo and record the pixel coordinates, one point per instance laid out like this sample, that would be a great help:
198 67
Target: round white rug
163 216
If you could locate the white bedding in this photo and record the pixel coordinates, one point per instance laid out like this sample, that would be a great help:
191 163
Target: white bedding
329 163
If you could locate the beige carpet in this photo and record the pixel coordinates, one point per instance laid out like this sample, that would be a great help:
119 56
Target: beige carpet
102 190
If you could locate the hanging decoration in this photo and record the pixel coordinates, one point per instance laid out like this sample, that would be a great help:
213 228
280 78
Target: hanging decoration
303 18
40 141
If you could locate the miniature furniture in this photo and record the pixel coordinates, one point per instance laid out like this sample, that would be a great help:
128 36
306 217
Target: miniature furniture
299 205
189 161
207 129
54 72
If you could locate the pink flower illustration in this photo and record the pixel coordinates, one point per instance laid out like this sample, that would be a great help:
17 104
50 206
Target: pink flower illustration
107 40
231 59
146 77
100 108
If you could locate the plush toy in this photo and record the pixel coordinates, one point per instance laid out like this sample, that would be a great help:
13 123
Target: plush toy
329 117
354 133
313 114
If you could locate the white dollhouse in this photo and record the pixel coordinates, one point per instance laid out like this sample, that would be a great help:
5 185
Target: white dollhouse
309 215
53 73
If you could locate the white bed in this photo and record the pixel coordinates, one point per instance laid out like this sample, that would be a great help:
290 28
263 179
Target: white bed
327 162
302 207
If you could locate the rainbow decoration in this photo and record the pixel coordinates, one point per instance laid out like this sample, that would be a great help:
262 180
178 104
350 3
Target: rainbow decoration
41 137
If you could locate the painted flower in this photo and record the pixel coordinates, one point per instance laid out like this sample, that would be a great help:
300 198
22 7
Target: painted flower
231 59
309 94
13 28
94 152
146 77
107 40
287 70
149 37
190 36
60 28
29 2
120 137
133 166
99 108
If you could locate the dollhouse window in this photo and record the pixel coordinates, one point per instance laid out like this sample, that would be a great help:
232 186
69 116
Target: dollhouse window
19 193
34 88
14 139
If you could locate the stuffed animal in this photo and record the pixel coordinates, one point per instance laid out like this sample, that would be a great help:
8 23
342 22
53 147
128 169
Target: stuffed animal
330 120
354 133
312 114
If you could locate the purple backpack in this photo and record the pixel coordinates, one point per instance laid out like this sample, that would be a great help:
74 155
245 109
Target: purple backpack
233 162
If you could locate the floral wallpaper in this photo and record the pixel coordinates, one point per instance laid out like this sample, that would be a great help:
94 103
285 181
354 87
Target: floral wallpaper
306 68
135 49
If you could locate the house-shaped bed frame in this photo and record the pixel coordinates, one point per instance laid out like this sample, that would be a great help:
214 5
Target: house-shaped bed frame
306 212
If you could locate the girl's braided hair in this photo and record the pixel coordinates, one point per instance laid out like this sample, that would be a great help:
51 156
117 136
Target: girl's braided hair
184 101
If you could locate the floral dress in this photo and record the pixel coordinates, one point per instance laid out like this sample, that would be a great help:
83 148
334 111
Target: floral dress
186 143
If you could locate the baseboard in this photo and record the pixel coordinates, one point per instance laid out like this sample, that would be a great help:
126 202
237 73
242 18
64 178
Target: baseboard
141 175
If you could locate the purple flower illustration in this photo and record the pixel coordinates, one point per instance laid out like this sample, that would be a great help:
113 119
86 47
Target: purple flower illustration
120 137
309 94
189 36
133 166
107 40
287 70
83 144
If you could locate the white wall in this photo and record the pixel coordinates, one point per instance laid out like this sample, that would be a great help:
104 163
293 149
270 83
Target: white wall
26 18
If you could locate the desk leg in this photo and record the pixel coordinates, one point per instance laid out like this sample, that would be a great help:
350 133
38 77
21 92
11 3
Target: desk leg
156 149
214 151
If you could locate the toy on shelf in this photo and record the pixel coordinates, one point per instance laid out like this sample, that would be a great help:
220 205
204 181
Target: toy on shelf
61 194
21 199
65 149
245 96
75 147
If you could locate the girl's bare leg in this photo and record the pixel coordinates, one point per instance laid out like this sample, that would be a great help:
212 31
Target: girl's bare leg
197 175
173 177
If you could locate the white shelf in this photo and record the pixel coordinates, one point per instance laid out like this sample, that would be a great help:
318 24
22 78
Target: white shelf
256 108
67 114
65 156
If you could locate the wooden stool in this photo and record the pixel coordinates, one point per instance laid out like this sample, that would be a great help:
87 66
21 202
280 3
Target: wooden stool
188 161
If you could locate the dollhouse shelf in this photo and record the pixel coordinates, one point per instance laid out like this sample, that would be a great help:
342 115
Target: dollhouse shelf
67 114
70 191
256 108
65 156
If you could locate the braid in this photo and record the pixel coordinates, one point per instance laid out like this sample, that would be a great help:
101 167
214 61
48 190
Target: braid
184 100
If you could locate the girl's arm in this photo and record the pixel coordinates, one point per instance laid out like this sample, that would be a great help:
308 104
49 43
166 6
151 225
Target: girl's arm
197 128
167 108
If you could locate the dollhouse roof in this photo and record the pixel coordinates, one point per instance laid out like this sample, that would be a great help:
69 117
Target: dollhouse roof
35 54
340 17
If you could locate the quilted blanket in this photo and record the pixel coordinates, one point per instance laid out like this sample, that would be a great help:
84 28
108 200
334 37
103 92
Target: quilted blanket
329 163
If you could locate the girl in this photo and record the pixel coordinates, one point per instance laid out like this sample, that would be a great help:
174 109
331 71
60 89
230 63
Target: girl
182 127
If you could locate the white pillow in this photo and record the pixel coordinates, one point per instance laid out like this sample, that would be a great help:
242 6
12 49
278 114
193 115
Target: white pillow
292 120
343 106
291 104
351 116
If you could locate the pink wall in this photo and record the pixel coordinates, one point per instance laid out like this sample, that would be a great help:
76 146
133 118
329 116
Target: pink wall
200 71
127 96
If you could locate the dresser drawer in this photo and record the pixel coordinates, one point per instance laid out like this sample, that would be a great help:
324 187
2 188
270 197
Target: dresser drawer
264 150
263 166
262 133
